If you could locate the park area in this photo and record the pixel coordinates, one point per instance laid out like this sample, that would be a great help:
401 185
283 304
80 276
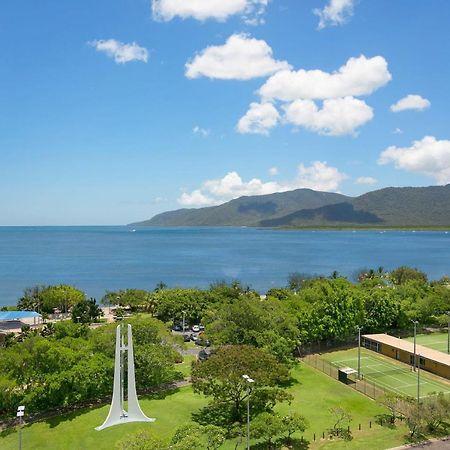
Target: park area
314 395
389 374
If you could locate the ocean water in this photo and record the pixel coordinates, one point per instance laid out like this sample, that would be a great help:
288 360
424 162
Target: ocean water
97 259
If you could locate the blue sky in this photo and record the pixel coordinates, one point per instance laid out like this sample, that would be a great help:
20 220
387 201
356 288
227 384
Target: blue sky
111 113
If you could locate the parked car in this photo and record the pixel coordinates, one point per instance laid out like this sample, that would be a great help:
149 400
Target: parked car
202 327
194 338
203 355
195 328
203 342
186 337
177 328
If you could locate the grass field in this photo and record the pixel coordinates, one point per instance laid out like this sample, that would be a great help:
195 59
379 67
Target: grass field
388 373
314 394
436 341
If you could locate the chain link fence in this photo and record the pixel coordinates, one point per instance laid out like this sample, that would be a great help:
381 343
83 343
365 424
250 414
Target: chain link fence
369 388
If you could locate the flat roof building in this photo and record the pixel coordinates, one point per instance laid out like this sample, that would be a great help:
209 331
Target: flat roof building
431 360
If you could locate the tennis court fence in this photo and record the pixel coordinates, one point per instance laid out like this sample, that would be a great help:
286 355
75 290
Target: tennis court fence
369 388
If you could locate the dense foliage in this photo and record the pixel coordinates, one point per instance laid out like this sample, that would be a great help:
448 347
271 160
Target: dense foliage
68 364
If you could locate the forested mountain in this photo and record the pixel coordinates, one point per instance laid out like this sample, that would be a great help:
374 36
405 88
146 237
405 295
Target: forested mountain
409 206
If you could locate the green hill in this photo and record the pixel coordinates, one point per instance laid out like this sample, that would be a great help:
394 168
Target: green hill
390 207
246 211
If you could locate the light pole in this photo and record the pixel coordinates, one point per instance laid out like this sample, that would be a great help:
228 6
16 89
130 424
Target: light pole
249 381
415 334
20 414
448 332
418 383
184 315
359 351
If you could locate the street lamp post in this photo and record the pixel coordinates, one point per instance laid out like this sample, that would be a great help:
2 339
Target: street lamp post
418 383
184 315
249 381
359 351
20 414
448 331
415 335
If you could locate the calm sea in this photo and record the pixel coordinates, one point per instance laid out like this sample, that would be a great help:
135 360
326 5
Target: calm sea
97 259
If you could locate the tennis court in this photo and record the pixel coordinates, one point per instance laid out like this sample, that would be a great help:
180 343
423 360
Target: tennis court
436 341
388 373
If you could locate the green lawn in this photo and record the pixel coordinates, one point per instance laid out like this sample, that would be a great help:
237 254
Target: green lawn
314 394
388 373
436 341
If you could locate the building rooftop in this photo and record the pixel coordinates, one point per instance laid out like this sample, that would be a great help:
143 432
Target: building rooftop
17 315
401 344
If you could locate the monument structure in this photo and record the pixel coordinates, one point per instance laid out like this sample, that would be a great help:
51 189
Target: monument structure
117 413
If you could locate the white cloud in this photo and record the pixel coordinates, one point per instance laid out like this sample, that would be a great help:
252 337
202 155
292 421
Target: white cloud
201 131
415 102
240 58
273 171
366 180
429 156
397 131
259 119
120 52
221 10
336 12
337 117
359 76
195 198
319 176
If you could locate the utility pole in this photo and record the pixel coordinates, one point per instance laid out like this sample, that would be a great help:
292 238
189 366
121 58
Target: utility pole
418 383
20 414
249 381
359 351
415 335
448 332
184 315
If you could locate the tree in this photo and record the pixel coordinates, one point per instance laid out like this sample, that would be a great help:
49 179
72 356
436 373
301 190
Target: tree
142 440
220 377
393 403
188 437
293 423
403 274
267 426
264 324
341 420
297 280
86 311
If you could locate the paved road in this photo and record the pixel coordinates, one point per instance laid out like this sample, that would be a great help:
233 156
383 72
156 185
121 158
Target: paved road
443 444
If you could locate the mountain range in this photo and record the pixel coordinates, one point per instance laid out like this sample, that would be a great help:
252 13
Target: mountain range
388 207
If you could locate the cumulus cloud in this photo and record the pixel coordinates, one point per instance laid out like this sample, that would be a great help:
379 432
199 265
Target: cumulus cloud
414 102
336 12
196 198
201 131
359 76
259 119
240 58
337 117
120 52
220 10
428 156
273 171
319 176
366 180
397 131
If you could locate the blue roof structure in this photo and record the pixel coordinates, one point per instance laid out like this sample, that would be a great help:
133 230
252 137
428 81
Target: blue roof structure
17 315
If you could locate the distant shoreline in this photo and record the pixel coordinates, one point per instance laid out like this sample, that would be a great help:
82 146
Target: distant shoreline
363 228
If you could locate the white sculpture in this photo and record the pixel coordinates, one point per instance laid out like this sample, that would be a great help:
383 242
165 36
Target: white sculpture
117 413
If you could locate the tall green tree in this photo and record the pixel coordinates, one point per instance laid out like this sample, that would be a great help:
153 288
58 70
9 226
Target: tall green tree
220 377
